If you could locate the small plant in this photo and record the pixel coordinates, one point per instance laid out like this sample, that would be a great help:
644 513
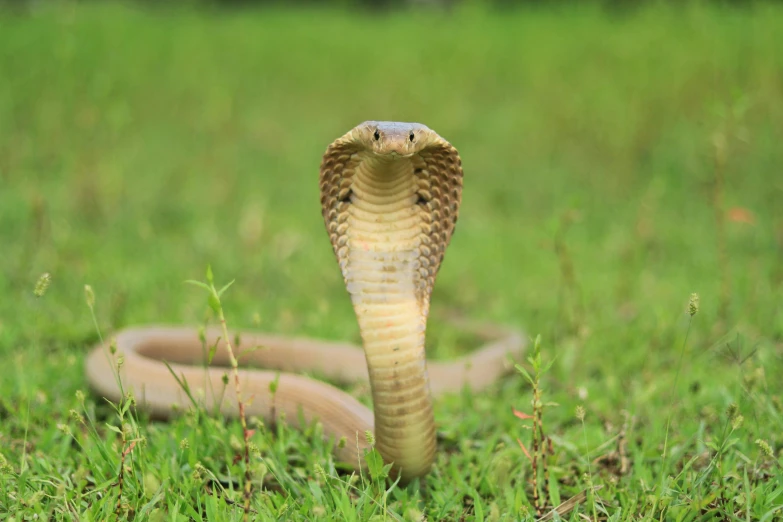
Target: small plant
541 444
379 471
543 448
374 494
580 414
719 449
213 298
693 309
42 285
128 428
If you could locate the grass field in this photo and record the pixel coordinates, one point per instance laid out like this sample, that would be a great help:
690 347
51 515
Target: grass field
615 164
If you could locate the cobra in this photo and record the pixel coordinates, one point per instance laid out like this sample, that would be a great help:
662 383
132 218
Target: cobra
390 199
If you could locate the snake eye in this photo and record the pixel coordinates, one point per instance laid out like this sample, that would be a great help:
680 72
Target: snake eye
411 137
377 135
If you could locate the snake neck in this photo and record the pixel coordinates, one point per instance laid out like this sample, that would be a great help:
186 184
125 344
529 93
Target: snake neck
381 273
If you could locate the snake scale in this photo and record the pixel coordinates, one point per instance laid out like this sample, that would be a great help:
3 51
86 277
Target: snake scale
390 199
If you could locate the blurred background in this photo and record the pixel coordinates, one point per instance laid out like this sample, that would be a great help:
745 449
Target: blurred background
605 145
618 156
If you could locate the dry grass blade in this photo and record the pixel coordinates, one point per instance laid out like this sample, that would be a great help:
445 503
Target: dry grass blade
568 506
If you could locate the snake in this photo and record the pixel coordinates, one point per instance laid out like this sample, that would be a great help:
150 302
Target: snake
390 195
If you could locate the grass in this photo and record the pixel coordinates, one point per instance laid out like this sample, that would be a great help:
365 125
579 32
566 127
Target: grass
615 163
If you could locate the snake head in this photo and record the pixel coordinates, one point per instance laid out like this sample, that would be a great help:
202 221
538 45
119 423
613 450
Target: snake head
386 138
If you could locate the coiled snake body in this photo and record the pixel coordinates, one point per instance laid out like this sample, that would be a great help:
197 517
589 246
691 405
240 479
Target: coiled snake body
390 197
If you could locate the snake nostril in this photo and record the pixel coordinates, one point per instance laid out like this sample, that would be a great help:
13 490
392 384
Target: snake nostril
377 135
411 137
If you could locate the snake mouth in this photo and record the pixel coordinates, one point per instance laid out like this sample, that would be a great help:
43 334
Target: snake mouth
393 154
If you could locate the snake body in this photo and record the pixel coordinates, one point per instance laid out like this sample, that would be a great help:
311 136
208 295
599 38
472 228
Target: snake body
390 198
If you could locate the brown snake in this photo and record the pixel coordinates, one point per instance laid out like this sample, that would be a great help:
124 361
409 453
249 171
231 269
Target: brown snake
390 196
